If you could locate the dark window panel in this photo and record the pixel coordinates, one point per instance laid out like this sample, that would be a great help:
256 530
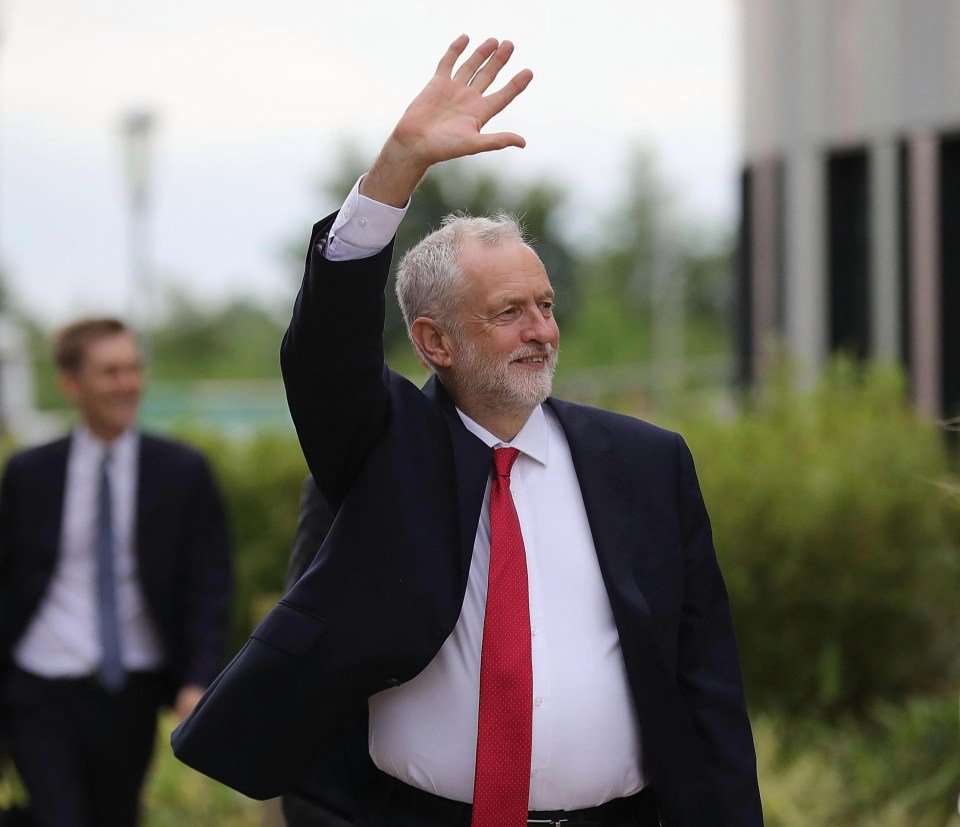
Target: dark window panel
950 273
848 252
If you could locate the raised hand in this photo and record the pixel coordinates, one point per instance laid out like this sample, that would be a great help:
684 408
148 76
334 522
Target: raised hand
445 120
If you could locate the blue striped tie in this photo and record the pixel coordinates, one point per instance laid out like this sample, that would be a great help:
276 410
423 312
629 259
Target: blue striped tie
112 674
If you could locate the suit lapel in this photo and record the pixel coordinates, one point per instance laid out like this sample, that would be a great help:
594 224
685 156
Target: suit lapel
50 499
150 488
473 461
605 487
604 484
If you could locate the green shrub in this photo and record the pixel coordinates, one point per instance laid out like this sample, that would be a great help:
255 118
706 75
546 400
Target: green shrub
177 796
897 765
260 477
839 538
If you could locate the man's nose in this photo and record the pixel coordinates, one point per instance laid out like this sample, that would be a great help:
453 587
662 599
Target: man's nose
540 328
130 380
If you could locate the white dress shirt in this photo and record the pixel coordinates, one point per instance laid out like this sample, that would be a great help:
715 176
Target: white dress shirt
586 740
62 639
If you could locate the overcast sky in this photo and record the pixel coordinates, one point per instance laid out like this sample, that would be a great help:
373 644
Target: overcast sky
252 99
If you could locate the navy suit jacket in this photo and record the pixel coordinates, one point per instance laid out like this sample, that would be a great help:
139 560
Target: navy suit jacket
406 481
182 550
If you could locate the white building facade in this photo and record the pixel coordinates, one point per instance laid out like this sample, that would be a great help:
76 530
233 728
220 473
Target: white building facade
850 238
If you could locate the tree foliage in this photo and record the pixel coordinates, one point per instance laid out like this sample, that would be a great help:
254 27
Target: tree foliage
238 340
448 189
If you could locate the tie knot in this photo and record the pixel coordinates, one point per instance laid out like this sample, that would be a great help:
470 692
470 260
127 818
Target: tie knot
503 459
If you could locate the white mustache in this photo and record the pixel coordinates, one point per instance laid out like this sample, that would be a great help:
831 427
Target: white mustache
546 352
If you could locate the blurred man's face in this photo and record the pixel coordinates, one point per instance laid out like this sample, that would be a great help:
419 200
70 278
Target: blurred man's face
106 387
507 351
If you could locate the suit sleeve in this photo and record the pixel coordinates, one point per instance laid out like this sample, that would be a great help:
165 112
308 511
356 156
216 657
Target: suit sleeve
312 527
332 363
8 510
708 666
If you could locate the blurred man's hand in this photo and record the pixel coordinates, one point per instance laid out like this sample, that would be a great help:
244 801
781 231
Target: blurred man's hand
187 699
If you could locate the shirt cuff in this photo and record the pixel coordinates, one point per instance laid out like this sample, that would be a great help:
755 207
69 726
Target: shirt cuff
363 227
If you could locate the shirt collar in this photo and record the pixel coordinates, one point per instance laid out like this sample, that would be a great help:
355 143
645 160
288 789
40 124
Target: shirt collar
86 442
533 439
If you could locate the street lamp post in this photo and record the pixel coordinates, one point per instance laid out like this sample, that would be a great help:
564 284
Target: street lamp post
137 129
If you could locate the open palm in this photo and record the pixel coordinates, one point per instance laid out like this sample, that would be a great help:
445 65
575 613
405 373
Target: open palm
445 120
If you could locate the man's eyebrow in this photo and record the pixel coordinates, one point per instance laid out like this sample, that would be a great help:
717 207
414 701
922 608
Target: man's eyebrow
504 300
513 298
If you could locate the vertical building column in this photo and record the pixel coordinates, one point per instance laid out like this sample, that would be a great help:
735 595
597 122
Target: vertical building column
764 261
806 265
884 230
924 278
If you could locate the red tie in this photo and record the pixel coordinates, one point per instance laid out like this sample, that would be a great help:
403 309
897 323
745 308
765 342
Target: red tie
502 782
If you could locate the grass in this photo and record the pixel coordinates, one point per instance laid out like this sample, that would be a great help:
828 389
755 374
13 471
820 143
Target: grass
177 796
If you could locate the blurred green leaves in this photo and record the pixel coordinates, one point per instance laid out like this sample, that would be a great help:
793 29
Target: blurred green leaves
448 189
839 539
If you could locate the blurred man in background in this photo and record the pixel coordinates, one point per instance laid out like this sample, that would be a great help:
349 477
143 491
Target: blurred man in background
115 586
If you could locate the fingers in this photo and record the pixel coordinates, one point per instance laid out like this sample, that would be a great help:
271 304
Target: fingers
488 71
449 59
499 100
482 67
470 66
499 140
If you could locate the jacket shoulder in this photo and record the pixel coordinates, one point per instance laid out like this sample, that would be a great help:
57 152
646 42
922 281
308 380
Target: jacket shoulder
169 448
618 424
39 455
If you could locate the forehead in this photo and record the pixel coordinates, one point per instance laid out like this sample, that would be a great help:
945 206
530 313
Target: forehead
493 271
113 347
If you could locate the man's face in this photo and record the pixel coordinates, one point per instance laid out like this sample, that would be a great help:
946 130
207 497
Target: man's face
106 387
506 352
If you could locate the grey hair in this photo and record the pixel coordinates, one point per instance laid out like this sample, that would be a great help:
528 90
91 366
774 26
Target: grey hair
429 277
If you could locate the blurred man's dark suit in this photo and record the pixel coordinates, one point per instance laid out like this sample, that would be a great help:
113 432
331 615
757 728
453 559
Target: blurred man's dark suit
182 551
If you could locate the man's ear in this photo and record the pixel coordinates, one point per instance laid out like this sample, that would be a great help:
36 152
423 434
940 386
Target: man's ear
433 341
69 384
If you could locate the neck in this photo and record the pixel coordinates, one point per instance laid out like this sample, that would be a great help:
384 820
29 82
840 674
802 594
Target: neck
105 435
503 423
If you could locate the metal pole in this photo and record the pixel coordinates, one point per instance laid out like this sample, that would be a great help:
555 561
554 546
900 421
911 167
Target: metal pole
4 371
137 129
667 319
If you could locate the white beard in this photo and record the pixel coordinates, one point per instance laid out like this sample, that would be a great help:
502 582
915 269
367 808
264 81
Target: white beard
500 385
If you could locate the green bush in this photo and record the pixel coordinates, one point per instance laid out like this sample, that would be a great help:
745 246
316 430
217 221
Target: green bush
839 538
899 765
177 796
260 477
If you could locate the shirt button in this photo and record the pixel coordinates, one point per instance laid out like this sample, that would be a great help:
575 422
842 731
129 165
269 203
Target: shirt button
538 701
533 630
347 212
362 221
533 772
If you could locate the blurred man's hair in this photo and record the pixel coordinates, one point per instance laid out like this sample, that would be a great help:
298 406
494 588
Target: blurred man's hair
70 343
